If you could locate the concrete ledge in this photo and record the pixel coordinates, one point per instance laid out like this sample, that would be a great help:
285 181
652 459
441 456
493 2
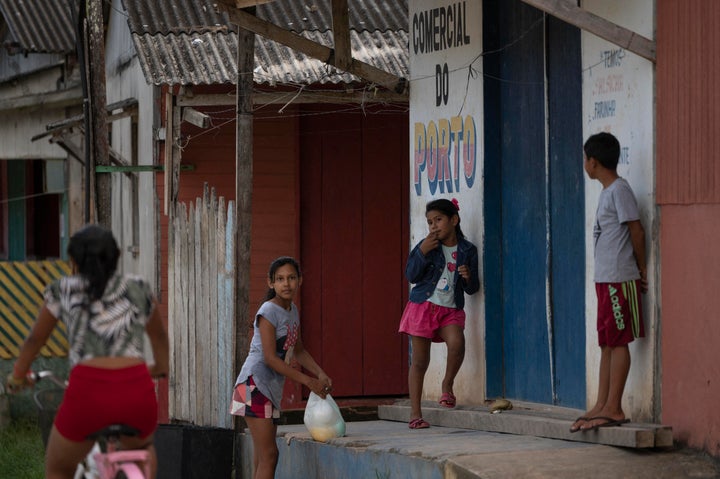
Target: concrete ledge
390 450
550 423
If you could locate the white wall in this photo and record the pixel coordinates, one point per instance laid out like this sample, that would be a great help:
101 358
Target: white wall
446 109
125 80
618 96
17 127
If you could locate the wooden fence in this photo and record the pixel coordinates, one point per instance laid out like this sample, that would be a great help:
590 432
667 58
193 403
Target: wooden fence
21 286
201 310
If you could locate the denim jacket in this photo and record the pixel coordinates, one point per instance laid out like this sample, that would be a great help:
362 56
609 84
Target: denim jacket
425 272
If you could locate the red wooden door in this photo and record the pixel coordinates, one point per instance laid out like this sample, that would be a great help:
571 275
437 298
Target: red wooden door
354 243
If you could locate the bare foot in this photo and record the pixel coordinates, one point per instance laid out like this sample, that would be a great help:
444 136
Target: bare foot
576 426
603 419
582 420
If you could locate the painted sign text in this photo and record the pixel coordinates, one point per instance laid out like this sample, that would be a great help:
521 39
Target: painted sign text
439 28
445 151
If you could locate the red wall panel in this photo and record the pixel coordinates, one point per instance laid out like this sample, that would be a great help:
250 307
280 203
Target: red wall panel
354 202
688 101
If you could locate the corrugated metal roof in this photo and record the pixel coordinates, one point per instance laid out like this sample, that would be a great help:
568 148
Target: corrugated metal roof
185 42
369 15
210 58
192 16
40 26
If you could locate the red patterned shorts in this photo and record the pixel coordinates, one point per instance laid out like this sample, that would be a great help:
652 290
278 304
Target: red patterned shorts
248 401
619 314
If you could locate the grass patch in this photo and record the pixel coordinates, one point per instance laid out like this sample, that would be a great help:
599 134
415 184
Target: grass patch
22 453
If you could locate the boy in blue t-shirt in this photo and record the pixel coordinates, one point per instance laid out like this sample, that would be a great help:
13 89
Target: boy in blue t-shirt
620 271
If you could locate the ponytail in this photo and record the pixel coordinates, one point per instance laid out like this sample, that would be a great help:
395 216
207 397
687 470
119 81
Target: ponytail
95 252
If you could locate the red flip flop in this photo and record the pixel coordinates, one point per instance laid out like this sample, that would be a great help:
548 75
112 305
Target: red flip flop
419 423
447 400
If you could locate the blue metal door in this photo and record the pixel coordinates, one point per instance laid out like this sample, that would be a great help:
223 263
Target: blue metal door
534 207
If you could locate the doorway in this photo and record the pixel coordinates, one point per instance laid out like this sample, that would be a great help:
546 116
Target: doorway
354 244
534 252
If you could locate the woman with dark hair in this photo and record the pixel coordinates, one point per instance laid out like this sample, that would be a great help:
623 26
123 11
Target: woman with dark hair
106 315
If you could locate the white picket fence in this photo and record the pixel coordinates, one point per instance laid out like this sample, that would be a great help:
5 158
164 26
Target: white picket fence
201 311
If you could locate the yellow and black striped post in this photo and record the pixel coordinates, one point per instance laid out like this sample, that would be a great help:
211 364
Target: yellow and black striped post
21 286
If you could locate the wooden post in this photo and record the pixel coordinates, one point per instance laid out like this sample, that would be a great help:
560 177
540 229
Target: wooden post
243 195
341 34
316 50
98 100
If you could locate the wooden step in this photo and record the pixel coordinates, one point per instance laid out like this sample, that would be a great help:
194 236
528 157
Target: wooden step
532 422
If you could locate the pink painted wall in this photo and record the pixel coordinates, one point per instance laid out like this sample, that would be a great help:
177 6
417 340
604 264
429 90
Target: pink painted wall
690 305
688 194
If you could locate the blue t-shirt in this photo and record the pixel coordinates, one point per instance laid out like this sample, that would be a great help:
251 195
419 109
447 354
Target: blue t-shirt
287 331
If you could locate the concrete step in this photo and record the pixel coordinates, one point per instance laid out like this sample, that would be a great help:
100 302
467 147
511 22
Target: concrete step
533 420
389 450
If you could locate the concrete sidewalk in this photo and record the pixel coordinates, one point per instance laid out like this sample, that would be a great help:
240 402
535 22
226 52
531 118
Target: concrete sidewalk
386 449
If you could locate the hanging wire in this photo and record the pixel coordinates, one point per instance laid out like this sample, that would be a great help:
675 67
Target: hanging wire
35 195
220 118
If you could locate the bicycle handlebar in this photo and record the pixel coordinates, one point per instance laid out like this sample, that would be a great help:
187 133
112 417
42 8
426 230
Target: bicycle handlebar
37 376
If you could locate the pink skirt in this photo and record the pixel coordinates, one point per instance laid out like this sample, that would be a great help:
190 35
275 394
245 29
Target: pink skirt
426 319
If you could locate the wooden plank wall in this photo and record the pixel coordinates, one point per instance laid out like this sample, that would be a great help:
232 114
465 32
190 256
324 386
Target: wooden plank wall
202 307
21 288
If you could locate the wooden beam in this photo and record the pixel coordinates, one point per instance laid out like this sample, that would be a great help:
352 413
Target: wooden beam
244 3
138 168
194 117
620 36
57 99
341 34
118 160
169 142
97 91
281 98
65 142
122 109
62 139
243 201
315 50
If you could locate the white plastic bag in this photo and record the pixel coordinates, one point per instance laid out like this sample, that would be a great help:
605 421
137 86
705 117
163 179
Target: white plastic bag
323 418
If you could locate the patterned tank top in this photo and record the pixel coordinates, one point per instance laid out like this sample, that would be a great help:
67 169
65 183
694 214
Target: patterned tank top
113 325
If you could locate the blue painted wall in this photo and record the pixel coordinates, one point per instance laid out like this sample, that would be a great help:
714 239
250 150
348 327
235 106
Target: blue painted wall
533 186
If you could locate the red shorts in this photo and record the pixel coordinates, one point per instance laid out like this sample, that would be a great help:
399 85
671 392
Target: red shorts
425 319
97 398
619 314
248 401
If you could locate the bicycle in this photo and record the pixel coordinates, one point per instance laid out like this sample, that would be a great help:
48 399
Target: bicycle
105 460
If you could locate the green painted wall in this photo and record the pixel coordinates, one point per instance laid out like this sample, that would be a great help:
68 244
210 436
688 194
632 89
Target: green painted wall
16 210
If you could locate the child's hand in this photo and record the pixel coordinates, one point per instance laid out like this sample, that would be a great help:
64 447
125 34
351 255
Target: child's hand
464 272
429 243
325 380
14 385
320 387
643 281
